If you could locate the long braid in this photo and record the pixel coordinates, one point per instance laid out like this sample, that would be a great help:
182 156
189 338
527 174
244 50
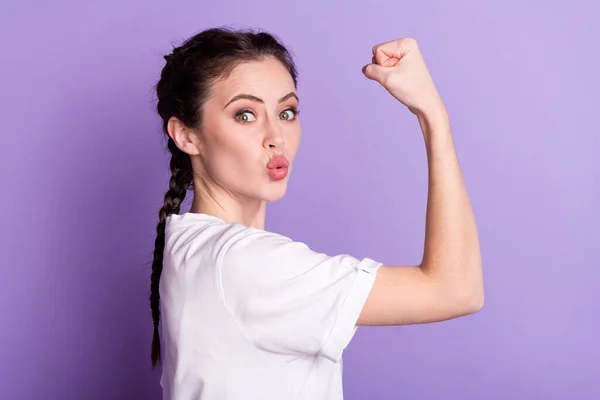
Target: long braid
181 178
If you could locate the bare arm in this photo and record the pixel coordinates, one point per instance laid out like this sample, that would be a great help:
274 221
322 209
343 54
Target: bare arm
449 282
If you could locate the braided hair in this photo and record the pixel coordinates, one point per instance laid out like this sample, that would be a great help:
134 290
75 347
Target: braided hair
184 86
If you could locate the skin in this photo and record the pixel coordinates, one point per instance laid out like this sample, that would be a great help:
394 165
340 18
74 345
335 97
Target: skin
448 283
237 139
229 160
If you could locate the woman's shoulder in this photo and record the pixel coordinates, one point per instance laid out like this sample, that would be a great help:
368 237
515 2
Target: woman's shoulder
193 232
196 223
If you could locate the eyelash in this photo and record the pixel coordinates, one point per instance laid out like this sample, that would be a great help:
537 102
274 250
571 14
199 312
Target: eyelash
295 110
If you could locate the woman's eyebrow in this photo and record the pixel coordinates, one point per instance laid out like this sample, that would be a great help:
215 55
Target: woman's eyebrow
259 100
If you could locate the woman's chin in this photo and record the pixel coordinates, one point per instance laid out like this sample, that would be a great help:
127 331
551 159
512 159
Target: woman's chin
276 191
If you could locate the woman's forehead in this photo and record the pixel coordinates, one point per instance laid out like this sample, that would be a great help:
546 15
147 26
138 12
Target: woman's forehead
266 79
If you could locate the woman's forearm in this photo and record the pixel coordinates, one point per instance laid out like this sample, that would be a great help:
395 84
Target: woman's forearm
451 252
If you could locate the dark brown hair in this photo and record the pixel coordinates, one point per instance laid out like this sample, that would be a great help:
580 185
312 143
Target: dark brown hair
184 86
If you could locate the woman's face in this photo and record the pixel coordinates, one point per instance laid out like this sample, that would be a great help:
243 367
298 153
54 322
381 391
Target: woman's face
250 118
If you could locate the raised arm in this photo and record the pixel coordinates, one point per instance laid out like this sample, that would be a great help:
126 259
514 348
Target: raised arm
449 281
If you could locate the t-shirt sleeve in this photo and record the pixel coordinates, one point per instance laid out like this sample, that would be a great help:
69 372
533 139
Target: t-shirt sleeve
287 298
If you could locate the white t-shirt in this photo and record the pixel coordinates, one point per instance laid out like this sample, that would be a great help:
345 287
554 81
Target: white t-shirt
249 314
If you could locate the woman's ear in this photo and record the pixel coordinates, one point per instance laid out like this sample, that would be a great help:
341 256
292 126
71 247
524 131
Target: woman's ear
185 138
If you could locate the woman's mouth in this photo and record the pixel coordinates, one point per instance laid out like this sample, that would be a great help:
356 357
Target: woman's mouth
278 168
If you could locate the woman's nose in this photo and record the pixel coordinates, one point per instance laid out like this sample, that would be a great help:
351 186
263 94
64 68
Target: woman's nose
273 138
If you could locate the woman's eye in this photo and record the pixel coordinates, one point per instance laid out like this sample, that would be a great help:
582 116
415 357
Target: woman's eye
245 116
288 115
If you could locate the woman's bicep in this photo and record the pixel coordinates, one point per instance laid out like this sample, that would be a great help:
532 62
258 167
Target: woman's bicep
403 295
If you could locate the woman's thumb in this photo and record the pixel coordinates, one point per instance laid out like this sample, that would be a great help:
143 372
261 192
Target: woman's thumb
374 72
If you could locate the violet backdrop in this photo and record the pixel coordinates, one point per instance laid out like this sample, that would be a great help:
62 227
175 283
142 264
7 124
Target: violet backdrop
83 172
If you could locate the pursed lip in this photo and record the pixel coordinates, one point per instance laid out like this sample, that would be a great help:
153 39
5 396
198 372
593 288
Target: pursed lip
278 162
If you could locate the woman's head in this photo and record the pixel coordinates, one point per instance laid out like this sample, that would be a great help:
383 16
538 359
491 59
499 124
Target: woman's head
228 102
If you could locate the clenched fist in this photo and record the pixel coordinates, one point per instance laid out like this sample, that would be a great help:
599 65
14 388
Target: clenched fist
399 67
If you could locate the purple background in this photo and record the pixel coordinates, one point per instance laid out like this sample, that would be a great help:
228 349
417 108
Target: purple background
83 173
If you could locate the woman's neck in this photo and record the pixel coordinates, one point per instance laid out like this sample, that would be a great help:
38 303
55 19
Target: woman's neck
244 211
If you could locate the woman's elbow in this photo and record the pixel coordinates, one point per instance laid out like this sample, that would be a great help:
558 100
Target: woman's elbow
476 304
471 300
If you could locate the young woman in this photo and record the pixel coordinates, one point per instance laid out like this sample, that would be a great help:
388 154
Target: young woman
250 314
